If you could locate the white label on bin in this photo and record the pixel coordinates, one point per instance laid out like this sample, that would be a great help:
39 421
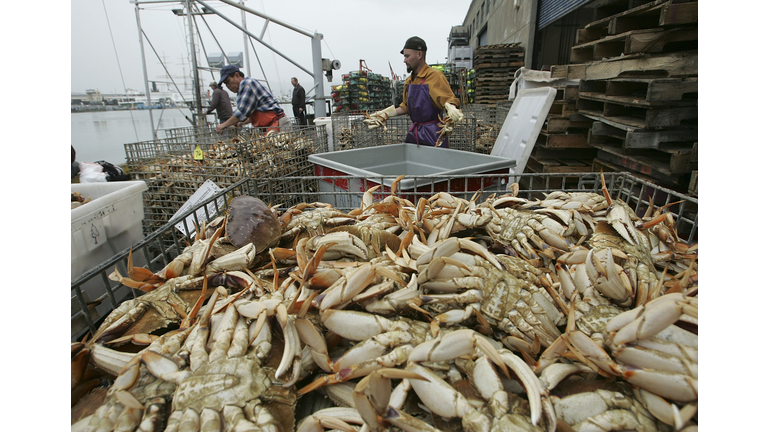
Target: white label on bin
207 190
91 230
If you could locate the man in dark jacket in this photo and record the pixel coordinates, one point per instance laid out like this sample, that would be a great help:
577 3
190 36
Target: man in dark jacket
220 102
298 102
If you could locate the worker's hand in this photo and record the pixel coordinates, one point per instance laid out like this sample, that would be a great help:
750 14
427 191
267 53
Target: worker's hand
301 109
454 113
219 128
379 118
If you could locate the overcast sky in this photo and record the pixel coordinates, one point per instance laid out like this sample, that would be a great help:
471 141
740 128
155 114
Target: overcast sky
374 31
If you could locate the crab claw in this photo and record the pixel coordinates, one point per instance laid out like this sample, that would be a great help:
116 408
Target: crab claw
330 418
607 279
163 367
372 394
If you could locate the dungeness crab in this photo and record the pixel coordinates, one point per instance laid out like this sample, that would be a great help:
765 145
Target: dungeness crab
250 228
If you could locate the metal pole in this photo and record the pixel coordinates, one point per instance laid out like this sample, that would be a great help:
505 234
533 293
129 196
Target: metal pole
238 26
146 80
198 101
267 17
317 67
245 41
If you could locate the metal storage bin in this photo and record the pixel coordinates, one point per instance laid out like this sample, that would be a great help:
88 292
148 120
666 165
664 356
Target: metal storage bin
161 246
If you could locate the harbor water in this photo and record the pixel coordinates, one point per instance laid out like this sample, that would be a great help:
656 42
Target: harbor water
103 135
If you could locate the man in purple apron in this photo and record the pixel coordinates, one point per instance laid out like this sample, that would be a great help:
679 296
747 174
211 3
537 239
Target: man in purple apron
427 98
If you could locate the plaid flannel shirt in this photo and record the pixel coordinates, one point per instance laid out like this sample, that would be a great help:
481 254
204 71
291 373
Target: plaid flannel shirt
252 96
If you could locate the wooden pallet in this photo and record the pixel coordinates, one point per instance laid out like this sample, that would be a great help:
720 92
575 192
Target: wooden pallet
636 115
659 13
631 138
570 124
676 64
670 165
486 63
693 186
654 40
587 153
650 91
493 91
562 140
502 77
499 48
599 165
562 166
564 108
491 98
567 92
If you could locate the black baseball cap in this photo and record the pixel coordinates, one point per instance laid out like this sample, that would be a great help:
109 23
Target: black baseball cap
415 43
227 71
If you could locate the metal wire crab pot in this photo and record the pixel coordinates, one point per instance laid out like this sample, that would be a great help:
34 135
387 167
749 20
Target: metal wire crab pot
350 132
161 246
174 168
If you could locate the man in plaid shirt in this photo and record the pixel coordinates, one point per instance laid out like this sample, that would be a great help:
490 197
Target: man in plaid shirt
254 103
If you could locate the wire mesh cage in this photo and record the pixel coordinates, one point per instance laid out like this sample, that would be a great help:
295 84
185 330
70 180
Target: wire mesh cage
174 168
344 193
489 120
350 132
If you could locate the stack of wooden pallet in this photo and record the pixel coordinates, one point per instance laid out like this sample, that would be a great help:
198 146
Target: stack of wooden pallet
639 84
562 145
495 67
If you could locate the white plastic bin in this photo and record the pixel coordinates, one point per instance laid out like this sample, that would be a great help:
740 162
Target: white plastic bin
103 227
328 128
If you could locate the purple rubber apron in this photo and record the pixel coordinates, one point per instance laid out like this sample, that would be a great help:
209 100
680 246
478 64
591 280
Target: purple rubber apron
425 128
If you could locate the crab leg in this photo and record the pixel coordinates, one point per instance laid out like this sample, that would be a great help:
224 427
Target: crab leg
490 387
646 321
452 245
455 344
110 360
536 394
331 418
353 325
444 400
665 411
237 260
316 343
372 394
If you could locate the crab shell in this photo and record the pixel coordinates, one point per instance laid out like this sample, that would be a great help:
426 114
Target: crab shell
250 220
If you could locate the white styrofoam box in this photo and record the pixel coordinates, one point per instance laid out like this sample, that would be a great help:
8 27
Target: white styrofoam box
523 124
528 78
105 226
328 128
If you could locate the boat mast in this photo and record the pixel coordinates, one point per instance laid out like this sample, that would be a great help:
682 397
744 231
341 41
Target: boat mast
245 41
146 79
198 108
317 61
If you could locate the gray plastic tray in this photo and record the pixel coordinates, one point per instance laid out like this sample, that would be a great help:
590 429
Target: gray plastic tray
397 159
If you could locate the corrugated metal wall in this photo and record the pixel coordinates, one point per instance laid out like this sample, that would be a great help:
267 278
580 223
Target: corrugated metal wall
552 10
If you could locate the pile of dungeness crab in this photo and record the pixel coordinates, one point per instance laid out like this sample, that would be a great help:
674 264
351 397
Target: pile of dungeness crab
564 313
